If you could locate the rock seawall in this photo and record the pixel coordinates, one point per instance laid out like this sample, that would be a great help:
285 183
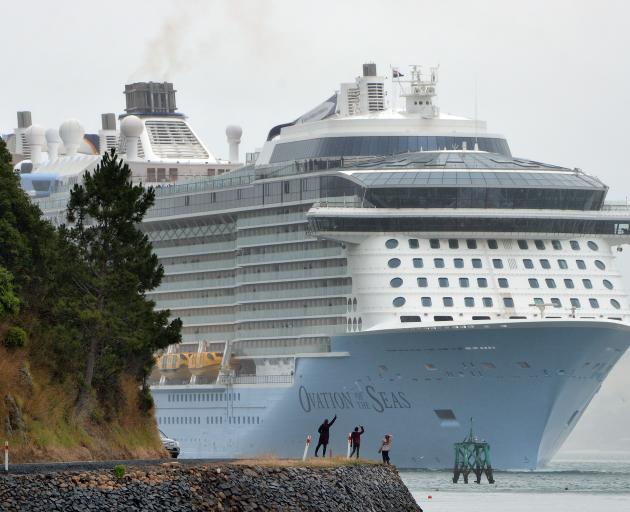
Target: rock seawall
228 487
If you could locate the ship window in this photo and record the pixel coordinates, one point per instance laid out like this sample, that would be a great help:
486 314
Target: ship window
492 244
575 302
497 263
394 263
469 302
399 302
594 303
607 284
464 282
522 244
286 186
568 283
587 284
392 243
418 263
563 264
615 304
508 302
471 244
438 262
413 243
540 245
476 263
556 302
410 319
396 282
447 301
445 414
458 262
556 245
151 174
443 318
527 263
580 264
480 317
443 282
482 282
503 282
574 245
533 282
426 302
487 302
523 364
545 264
600 265
434 243
422 282
453 244
592 245
550 283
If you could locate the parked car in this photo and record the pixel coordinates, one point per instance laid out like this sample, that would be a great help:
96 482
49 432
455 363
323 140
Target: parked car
170 445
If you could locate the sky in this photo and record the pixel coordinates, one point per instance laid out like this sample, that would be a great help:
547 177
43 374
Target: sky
552 76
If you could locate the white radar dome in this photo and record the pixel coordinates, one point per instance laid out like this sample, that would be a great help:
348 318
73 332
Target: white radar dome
52 136
233 132
71 132
131 126
35 135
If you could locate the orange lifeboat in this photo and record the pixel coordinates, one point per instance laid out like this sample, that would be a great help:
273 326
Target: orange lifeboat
204 363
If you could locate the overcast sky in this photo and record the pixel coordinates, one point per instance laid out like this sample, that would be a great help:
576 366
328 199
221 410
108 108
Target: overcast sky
552 76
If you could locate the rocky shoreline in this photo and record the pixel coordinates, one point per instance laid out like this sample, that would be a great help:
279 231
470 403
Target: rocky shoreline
209 487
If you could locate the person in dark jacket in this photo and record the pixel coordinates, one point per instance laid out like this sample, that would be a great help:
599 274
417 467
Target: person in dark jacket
324 435
355 439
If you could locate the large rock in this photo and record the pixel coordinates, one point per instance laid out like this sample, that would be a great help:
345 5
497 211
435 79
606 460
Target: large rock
14 422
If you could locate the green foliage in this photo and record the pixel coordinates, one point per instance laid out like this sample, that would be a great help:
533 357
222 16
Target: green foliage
9 302
16 337
119 470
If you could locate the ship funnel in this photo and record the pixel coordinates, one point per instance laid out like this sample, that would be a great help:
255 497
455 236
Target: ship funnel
233 133
369 69
107 133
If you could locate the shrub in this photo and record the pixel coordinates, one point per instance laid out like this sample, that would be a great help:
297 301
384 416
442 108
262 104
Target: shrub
16 337
119 470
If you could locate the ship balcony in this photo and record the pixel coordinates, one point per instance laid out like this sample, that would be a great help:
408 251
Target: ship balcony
201 266
276 257
194 250
273 238
255 379
189 321
317 330
195 284
176 305
270 220
302 312
296 293
292 275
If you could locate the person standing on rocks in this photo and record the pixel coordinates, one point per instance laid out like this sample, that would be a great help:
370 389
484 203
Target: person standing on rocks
355 439
386 445
324 435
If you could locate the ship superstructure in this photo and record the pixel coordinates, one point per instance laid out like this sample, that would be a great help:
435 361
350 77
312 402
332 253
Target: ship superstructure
392 264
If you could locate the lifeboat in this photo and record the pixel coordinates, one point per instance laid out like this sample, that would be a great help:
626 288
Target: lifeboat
204 363
174 365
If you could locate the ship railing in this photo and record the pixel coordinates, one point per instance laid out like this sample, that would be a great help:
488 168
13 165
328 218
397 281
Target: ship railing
254 379
616 207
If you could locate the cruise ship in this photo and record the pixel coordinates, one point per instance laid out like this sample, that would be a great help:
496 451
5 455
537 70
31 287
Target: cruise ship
378 260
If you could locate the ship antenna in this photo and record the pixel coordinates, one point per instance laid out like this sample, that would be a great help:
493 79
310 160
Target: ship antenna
476 140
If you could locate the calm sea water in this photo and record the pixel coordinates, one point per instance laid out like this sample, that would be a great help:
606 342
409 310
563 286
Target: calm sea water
575 482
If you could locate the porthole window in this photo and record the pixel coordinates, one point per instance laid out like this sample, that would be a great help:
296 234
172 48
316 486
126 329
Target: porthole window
426 302
447 301
469 302
492 244
476 263
556 302
360 324
600 265
503 282
354 304
471 244
592 245
349 305
497 263
562 264
394 263
396 282
418 263
533 283
538 301
556 245
453 244
434 243
464 282
545 264
550 283
615 303
413 243
574 245
527 263
522 244
392 243
443 282
607 284
349 324
580 264
568 283
354 324
399 302
422 282
458 262
482 282
594 303
508 302
487 302
587 284
575 302
540 245
438 262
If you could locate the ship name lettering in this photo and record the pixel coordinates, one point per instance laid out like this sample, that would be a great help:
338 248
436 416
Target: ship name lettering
376 400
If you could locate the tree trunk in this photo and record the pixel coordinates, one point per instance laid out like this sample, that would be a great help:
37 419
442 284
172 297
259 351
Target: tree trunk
90 365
